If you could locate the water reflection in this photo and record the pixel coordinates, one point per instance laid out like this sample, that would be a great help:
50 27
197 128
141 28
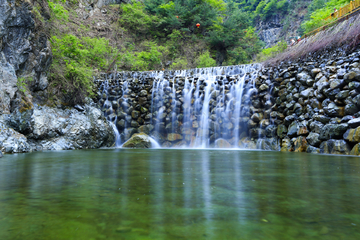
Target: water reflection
178 194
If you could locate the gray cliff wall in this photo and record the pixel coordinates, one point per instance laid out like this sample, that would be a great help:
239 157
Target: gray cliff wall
26 125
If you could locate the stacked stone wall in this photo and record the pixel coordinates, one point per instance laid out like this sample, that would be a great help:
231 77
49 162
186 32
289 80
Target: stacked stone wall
309 106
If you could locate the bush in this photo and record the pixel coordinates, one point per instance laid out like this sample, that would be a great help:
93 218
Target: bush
74 61
272 51
179 63
204 60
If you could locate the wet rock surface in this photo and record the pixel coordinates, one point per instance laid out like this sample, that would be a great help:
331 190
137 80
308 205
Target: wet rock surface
44 128
308 106
138 140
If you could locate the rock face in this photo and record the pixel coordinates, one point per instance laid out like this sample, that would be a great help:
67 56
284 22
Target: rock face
25 54
22 53
44 128
12 141
139 140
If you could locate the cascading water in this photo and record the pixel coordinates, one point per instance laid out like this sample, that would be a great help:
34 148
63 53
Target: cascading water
196 108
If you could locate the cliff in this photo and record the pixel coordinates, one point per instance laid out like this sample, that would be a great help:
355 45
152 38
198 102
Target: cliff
26 123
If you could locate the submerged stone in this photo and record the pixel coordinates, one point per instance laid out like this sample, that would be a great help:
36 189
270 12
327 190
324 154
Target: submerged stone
172 137
333 146
139 140
222 143
300 144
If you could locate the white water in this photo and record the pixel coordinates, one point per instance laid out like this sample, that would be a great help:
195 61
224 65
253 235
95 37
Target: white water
213 103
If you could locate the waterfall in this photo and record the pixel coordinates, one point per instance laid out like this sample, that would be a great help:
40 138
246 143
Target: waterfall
198 108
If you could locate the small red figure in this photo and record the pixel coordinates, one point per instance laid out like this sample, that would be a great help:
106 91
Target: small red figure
198 25
177 16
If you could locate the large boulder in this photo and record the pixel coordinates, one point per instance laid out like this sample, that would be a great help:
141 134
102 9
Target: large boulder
56 129
222 143
335 147
333 131
12 141
138 140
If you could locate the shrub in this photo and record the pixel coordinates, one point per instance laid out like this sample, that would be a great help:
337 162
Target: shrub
74 60
204 60
272 51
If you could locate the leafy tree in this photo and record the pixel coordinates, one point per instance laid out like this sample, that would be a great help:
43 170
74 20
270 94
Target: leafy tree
318 16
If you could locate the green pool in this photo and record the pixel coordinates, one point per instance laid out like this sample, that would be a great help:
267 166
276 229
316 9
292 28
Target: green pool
179 194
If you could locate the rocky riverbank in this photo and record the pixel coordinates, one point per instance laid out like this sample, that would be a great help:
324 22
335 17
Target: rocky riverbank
44 128
26 122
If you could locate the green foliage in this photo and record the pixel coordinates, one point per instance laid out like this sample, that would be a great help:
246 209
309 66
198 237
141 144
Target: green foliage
58 11
22 83
179 63
135 18
204 60
272 51
320 10
264 9
74 61
149 59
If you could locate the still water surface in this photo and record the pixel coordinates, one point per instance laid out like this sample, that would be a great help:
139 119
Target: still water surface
179 194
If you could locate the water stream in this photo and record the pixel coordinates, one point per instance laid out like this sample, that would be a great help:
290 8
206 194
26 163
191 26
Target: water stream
197 108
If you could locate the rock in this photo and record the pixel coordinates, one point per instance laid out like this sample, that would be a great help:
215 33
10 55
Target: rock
138 140
180 144
166 144
293 129
312 149
333 146
354 123
143 93
303 77
257 117
286 145
146 128
297 128
355 150
172 137
271 131
263 87
135 114
51 128
222 143
352 135
316 126
302 128
134 124
342 94
21 51
269 144
354 86
307 93
300 144
336 83
247 143
333 131
281 131
315 72
12 141
350 76
321 118
313 139
334 111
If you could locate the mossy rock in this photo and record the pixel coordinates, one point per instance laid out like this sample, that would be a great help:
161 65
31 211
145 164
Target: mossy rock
139 140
